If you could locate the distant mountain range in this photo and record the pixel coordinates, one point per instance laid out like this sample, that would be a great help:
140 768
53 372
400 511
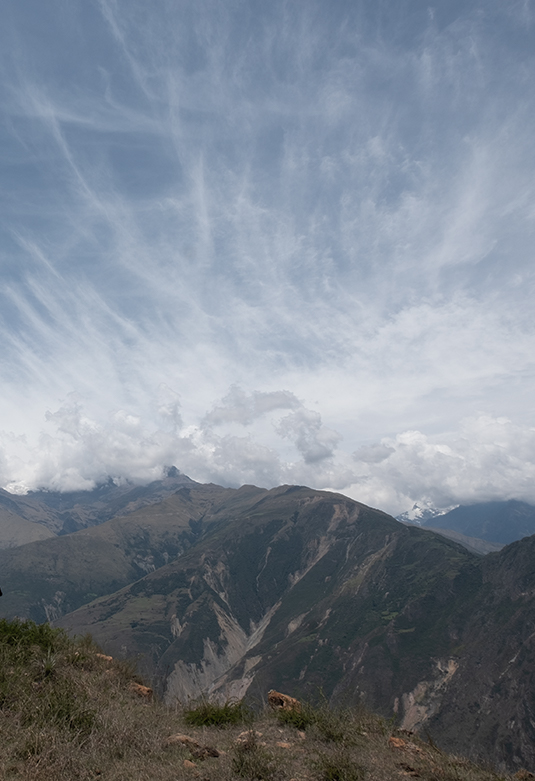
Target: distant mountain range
483 527
233 592
499 522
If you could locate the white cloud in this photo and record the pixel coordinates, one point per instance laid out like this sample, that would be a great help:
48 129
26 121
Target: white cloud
486 459
314 441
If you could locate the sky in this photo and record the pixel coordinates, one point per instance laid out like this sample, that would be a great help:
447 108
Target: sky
269 242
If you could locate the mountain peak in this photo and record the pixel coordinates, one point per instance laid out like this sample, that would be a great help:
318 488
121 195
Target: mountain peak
421 513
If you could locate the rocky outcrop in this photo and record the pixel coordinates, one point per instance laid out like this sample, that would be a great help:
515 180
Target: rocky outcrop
419 705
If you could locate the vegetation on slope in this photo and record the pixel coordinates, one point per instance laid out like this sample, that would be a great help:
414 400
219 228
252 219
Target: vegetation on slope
68 712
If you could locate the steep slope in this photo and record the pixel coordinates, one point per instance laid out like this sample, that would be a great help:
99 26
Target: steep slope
502 522
15 530
472 544
455 655
490 702
44 580
310 574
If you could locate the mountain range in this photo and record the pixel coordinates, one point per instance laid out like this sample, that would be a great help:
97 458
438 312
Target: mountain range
231 592
497 522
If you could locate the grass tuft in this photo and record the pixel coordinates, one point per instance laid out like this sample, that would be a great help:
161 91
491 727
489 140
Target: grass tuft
331 725
301 718
213 714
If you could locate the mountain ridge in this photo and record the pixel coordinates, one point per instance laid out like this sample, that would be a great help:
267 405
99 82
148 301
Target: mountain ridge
64 512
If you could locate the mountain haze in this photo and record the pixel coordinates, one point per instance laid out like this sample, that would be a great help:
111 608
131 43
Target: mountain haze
44 580
15 530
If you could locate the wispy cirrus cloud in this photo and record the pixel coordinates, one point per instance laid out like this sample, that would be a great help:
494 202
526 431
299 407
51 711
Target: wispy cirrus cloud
319 216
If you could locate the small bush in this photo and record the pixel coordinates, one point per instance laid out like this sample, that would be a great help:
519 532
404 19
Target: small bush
334 726
18 638
300 718
328 724
212 714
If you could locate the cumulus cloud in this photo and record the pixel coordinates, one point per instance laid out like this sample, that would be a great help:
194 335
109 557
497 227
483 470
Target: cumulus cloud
313 440
486 459
241 407
76 452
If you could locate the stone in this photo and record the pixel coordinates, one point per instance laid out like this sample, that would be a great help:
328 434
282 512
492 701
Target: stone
141 691
279 701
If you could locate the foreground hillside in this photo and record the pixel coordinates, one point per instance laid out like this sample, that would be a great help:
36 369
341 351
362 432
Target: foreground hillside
67 712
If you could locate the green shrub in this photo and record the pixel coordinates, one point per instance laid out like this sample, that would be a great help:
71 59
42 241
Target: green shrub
300 718
328 724
334 726
35 678
213 714
18 638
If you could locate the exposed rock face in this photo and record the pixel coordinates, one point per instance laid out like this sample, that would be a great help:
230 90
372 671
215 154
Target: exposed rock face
419 705
190 679
53 610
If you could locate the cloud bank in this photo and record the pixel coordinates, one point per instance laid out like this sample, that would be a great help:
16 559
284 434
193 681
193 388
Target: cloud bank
252 438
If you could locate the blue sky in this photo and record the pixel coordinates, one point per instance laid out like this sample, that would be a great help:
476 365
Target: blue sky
269 242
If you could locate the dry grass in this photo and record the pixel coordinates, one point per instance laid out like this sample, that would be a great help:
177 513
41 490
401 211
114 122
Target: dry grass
66 713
